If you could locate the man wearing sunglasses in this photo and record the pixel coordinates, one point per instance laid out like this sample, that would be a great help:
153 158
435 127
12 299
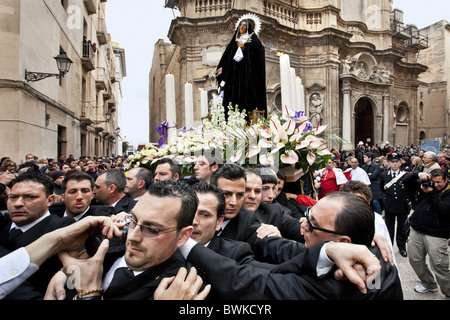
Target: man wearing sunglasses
342 219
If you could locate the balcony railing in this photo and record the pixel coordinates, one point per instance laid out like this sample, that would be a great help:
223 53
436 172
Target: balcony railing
88 55
410 33
418 40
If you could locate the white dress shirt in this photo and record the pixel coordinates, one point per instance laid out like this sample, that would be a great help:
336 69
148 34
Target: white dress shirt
15 268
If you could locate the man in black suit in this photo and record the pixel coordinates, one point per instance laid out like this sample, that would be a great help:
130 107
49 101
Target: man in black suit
109 190
396 204
25 261
297 210
139 180
243 225
374 172
269 213
77 188
160 223
29 218
208 220
343 218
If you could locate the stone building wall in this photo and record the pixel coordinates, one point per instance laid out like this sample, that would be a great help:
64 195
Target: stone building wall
354 55
56 116
433 120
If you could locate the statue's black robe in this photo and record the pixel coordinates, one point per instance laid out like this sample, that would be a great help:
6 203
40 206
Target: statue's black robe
245 81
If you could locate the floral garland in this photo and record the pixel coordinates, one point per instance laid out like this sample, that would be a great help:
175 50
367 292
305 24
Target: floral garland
281 140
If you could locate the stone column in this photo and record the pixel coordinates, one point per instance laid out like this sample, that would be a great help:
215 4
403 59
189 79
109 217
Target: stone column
385 109
346 119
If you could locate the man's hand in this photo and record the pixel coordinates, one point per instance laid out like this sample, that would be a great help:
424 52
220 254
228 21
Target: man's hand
180 287
290 196
347 256
73 237
56 287
86 274
382 244
424 176
267 230
7 177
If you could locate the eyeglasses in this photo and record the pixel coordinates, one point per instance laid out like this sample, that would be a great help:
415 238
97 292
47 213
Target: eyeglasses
149 231
312 227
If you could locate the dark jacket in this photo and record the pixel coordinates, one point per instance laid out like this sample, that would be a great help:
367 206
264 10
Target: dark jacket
141 286
59 208
243 228
276 215
239 251
46 271
397 196
432 213
374 172
296 209
126 203
294 280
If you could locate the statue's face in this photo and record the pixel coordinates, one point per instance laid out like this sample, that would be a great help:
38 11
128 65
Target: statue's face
243 27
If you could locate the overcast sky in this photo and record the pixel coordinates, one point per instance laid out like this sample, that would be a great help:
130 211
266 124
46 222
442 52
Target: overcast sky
138 24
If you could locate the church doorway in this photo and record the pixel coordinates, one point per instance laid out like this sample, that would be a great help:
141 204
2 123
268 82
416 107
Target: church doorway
364 122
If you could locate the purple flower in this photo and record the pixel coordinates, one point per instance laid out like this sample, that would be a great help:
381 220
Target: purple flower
308 127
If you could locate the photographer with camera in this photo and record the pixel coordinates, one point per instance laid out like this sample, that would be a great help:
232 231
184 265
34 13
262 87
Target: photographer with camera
430 231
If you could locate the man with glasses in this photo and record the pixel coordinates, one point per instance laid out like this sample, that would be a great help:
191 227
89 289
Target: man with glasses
342 219
160 223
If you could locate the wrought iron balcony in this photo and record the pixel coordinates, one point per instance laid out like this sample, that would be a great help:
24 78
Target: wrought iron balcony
88 55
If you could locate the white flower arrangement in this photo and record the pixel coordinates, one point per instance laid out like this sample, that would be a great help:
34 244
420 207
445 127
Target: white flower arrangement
281 140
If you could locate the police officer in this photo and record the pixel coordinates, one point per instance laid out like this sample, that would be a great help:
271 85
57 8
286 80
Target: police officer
396 202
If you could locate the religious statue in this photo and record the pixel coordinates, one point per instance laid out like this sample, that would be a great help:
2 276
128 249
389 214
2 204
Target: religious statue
315 109
241 72
362 71
347 65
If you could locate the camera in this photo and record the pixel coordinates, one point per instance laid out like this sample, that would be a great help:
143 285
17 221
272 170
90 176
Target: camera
428 184
93 242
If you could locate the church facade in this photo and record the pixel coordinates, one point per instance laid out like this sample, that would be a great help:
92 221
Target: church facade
357 60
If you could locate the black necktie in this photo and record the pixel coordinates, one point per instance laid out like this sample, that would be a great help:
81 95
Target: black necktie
121 275
15 232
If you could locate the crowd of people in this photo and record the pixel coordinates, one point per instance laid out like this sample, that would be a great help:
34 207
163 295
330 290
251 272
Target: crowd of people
224 233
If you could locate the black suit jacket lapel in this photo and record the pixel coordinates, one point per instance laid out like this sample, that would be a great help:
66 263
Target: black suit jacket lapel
143 286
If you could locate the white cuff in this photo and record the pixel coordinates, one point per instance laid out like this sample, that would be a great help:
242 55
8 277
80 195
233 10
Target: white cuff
15 268
324 264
